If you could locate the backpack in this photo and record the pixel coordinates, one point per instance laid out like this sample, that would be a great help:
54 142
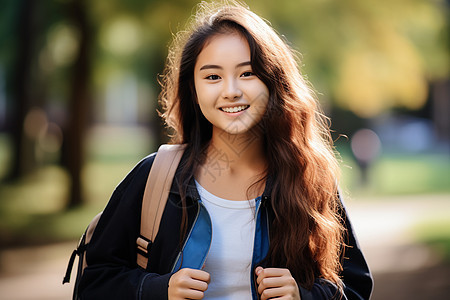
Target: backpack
154 201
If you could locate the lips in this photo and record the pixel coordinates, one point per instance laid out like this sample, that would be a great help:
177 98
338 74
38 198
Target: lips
234 109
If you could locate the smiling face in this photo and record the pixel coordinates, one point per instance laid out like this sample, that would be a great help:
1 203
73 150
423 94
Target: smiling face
231 97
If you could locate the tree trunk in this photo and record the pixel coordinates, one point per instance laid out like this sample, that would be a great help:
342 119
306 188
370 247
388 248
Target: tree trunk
78 103
23 160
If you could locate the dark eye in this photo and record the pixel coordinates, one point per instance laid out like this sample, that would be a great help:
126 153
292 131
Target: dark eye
247 74
213 77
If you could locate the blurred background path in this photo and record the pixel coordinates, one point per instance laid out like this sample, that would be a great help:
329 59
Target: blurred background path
403 268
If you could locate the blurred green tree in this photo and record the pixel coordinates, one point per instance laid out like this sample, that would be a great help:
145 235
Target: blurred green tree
367 56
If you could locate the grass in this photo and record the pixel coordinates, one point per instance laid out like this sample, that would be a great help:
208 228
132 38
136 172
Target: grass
32 210
435 232
399 174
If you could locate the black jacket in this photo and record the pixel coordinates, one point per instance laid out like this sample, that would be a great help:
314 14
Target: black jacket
113 273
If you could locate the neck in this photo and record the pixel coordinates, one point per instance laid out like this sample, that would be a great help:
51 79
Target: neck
236 161
236 152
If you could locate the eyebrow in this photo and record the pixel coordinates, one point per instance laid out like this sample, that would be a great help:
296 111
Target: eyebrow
205 67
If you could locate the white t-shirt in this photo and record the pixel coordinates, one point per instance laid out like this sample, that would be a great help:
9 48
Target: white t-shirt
229 260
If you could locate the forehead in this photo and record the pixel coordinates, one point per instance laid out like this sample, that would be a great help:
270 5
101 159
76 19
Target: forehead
226 48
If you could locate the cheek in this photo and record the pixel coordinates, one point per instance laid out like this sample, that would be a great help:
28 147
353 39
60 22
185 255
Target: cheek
206 95
204 102
261 97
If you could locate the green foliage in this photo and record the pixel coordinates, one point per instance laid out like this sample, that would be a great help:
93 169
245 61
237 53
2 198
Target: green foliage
371 55
435 232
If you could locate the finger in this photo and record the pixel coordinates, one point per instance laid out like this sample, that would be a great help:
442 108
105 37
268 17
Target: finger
187 279
276 272
192 294
272 272
258 270
262 274
195 279
267 283
275 293
200 275
198 285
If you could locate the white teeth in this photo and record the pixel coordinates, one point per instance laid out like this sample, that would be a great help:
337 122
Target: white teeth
234 109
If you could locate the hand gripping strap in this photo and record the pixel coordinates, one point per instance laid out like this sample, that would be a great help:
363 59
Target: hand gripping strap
155 196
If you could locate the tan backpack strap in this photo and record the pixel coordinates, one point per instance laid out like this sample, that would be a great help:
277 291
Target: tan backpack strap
155 196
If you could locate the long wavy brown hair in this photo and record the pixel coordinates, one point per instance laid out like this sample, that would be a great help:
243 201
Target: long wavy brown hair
306 233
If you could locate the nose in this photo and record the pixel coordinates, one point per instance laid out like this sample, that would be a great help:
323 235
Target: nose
231 90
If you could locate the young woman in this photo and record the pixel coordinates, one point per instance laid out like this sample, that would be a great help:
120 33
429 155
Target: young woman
258 173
